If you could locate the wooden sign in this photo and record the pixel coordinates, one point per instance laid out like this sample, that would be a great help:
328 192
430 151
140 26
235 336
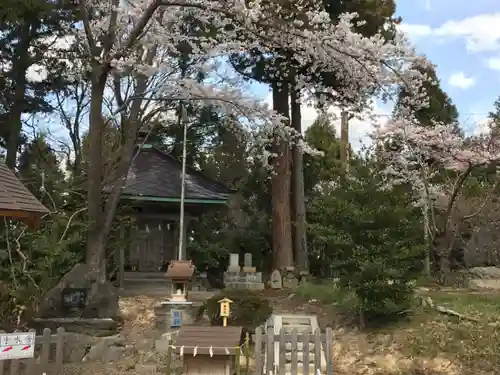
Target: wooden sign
225 310
17 345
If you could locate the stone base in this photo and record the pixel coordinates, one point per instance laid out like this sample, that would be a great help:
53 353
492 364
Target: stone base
163 316
92 327
244 285
243 277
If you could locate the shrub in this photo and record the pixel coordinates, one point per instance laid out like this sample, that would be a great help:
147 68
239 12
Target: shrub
248 309
372 238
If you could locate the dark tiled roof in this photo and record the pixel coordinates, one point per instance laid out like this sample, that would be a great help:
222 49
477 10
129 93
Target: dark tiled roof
219 338
15 197
154 173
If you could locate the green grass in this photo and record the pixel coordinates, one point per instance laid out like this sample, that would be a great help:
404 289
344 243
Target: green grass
476 345
330 294
485 307
427 333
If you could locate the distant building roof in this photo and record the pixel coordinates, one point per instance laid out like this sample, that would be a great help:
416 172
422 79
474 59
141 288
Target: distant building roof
16 200
156 176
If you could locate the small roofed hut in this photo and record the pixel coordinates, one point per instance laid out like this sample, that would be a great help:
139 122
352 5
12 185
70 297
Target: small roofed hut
152 195
17 202
180 272
209 350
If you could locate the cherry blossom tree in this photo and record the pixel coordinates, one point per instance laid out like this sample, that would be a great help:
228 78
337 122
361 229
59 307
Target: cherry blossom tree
124 38
421 155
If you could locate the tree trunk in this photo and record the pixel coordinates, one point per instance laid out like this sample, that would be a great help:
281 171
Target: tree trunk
95 243
280 188
344 140
20 67
298 195
427 260
102 221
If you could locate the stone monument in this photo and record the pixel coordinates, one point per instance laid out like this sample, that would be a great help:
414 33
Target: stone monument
276 281
246 277
80 294
290 280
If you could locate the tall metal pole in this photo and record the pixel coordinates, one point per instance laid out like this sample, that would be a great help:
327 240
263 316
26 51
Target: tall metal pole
184 119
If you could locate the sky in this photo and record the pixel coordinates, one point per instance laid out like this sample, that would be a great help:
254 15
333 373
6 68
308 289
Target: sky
462 38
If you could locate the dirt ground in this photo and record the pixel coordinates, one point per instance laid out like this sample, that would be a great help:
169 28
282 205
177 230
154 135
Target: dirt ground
425 343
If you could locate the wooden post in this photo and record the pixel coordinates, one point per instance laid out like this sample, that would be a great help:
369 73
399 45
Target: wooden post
270 350
238 367
59 350
317 351
258 350
45 352
305 351
247 352
168 363
281 353
328 351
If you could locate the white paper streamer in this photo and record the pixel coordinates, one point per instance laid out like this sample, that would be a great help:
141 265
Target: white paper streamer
211 352
227 351
195 351
182 351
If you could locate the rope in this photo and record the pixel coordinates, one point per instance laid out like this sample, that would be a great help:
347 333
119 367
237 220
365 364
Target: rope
210 349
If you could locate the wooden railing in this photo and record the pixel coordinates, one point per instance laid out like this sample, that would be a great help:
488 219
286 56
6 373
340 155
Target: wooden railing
293 352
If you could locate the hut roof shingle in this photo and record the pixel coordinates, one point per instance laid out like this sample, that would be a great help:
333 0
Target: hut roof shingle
219 338
15 199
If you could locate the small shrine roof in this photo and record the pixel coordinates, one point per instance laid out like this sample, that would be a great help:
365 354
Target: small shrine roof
16 200
222 340
180 270
156 176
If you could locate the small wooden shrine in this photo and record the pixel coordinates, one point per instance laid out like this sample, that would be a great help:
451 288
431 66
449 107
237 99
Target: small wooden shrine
152 195
180 272
17 202
209 350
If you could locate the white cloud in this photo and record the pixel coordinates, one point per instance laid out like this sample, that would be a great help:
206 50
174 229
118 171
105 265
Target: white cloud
480 32
493 63
461 81
359 128
415 31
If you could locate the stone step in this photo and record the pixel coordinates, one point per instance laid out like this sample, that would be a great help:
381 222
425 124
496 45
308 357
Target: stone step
300 346
300 357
